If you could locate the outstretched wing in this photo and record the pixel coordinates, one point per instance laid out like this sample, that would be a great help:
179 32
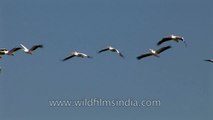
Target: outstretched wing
69 57
14 50
163 49
103 50
209 60
144 55
35 47
164 40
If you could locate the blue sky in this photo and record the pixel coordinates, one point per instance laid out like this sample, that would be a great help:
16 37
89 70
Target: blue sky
179 78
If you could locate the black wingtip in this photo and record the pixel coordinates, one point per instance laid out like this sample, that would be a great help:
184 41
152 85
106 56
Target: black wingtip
138 58
121 55
62 60
207 60
169 46
158 44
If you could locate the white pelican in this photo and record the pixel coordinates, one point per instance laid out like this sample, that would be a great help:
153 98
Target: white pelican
153 52
30 51
112 50
76 54
209 60
172 37
4 51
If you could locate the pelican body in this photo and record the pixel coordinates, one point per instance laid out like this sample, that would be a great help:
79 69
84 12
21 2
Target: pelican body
153 52
77 54
30 51
4 51
112 50
172 37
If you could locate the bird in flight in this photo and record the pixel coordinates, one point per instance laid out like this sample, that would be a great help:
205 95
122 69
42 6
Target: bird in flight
112 50
4 51
209 60
172 37
76 54
30 51
153 52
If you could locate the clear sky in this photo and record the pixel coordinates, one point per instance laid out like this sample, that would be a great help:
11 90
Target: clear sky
180 78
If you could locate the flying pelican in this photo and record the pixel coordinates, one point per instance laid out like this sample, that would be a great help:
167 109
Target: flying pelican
209 60
112 50
30 51
76 54
4 51
172 37
153 52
